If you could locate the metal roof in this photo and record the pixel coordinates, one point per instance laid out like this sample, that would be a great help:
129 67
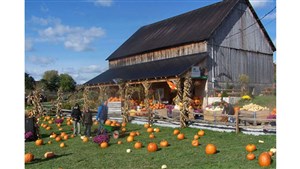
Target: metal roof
156 69
193 26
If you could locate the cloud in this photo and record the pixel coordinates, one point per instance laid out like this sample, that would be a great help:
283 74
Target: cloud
105 3
44 21
259 3
74 38
44 8
28 45
92 69
41 60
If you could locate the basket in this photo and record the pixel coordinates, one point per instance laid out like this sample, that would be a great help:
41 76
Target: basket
210 115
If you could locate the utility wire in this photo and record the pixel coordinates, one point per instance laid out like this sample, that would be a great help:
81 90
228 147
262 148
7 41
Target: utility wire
252 23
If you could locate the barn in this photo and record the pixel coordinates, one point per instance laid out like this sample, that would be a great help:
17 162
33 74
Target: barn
194 54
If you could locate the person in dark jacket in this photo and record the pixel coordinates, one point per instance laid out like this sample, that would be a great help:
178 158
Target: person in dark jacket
76 115
102 116
87 121
229 110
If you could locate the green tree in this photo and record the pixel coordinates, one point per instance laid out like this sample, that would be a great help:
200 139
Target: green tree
51 80
29 82
67 83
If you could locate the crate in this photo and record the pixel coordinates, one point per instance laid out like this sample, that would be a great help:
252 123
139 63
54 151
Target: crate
263 114
114 108
210 115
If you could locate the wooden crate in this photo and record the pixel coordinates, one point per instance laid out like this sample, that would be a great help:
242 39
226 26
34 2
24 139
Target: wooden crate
258 114
114 108
162 112
210 115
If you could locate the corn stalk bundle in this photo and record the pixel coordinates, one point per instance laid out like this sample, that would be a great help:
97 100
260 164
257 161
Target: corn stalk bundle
186 99
37 106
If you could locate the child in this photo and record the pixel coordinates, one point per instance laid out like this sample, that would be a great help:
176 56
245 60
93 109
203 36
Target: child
87 121
76 115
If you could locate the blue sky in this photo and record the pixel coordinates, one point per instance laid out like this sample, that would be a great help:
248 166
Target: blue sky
76 37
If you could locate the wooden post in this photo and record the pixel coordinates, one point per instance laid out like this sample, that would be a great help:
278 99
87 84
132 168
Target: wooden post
146 86
237 129
254 116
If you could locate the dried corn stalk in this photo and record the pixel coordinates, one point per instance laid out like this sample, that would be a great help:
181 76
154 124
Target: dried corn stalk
186 99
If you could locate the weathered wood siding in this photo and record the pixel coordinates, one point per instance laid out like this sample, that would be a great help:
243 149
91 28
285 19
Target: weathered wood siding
240 30
161 54
238 47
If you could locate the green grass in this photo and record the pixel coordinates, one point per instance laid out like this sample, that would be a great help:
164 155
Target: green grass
180 154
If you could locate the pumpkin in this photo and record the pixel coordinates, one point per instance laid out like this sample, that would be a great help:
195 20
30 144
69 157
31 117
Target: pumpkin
195 143
66 137
180 136
152 147
137 133
123 129
164 143
57 139
39 142
49 142
201 133
210 149
176 131
138 145
53 135
49 155
157 130
151 136
123 124
146 125
85 139
196 137
62 145
72 136
108 122
250 156
119 142
48 128
250 148
130 138
133 133
270 153
104 145
150 130
29 157
62 134
264 159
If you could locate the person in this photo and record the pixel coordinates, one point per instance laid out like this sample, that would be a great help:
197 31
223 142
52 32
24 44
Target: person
102 116
229 110
87 121
76 115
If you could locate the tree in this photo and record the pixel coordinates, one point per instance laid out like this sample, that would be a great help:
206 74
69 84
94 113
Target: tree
67 83
29 82
51 80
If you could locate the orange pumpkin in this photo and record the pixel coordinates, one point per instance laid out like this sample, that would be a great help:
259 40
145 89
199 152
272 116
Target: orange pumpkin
39 142
85 139
29 157
57 139
210 149
264 159
62 145
250 148
195 143
133 133
151 136
138 145
201 133
123 124
108 122
66 137
146 125
176 131
250 156
150 130
119 142
157 130
104 145
196 137
180 136
270 153
164 143
49 155
152 147
130 138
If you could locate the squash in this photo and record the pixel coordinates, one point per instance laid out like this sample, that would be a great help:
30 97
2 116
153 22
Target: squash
138 145
210 149
29 157
250 156
250 148
264 159
152 147
49 155
180 136
164 143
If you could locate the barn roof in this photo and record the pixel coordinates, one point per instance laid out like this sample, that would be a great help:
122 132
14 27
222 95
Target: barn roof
194 26
156 69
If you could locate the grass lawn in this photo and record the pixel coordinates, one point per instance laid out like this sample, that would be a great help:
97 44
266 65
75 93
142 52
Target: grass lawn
179 154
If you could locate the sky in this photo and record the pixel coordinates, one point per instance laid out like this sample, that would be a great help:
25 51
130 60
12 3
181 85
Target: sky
76 37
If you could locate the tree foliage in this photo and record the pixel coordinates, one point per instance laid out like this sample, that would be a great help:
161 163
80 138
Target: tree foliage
29 82
67 83
51 80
